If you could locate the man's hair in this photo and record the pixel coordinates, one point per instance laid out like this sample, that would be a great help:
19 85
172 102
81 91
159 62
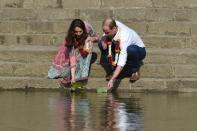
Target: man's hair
112 23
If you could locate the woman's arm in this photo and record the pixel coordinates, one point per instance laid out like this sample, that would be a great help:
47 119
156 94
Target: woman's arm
72 59
73 69
92 36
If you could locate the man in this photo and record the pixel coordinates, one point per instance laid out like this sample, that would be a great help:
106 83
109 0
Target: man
126 49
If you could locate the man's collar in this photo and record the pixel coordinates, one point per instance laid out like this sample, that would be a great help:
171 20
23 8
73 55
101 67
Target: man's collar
117 35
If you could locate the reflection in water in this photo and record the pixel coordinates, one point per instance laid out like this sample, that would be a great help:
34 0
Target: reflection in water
122 115
71 112
77 112
61 111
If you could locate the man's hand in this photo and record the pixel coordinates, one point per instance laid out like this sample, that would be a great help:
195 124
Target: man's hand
115 75
104 40
110 85
104 45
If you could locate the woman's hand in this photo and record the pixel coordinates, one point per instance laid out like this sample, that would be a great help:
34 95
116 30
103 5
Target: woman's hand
73 69
73 80
94 38
89 38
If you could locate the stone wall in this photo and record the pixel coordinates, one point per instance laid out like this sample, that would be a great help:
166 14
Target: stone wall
31 30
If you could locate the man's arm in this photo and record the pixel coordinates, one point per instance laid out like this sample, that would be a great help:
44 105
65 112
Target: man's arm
117 72
121 62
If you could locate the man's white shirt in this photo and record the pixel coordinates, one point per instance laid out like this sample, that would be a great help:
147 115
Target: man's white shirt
127 37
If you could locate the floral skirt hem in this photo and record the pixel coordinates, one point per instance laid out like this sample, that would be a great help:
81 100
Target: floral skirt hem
63 74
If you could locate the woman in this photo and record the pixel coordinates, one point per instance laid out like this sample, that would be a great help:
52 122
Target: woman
72 61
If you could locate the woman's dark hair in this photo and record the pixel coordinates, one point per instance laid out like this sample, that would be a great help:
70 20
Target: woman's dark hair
71 37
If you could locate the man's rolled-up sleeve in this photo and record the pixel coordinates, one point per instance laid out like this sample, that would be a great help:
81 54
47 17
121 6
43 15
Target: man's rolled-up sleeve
123 55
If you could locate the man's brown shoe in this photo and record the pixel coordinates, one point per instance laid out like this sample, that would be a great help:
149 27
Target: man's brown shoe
135 76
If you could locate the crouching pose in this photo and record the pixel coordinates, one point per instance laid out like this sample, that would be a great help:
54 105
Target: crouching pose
122 52
72 61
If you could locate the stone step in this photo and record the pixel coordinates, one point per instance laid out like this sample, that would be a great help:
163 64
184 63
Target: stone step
144 3
22 8
175 4
40 69
175 84
144 84
27 82
171 56
28 54
54 39
8 39
156 71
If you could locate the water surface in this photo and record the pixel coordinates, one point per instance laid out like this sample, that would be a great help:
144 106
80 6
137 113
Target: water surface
63 111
